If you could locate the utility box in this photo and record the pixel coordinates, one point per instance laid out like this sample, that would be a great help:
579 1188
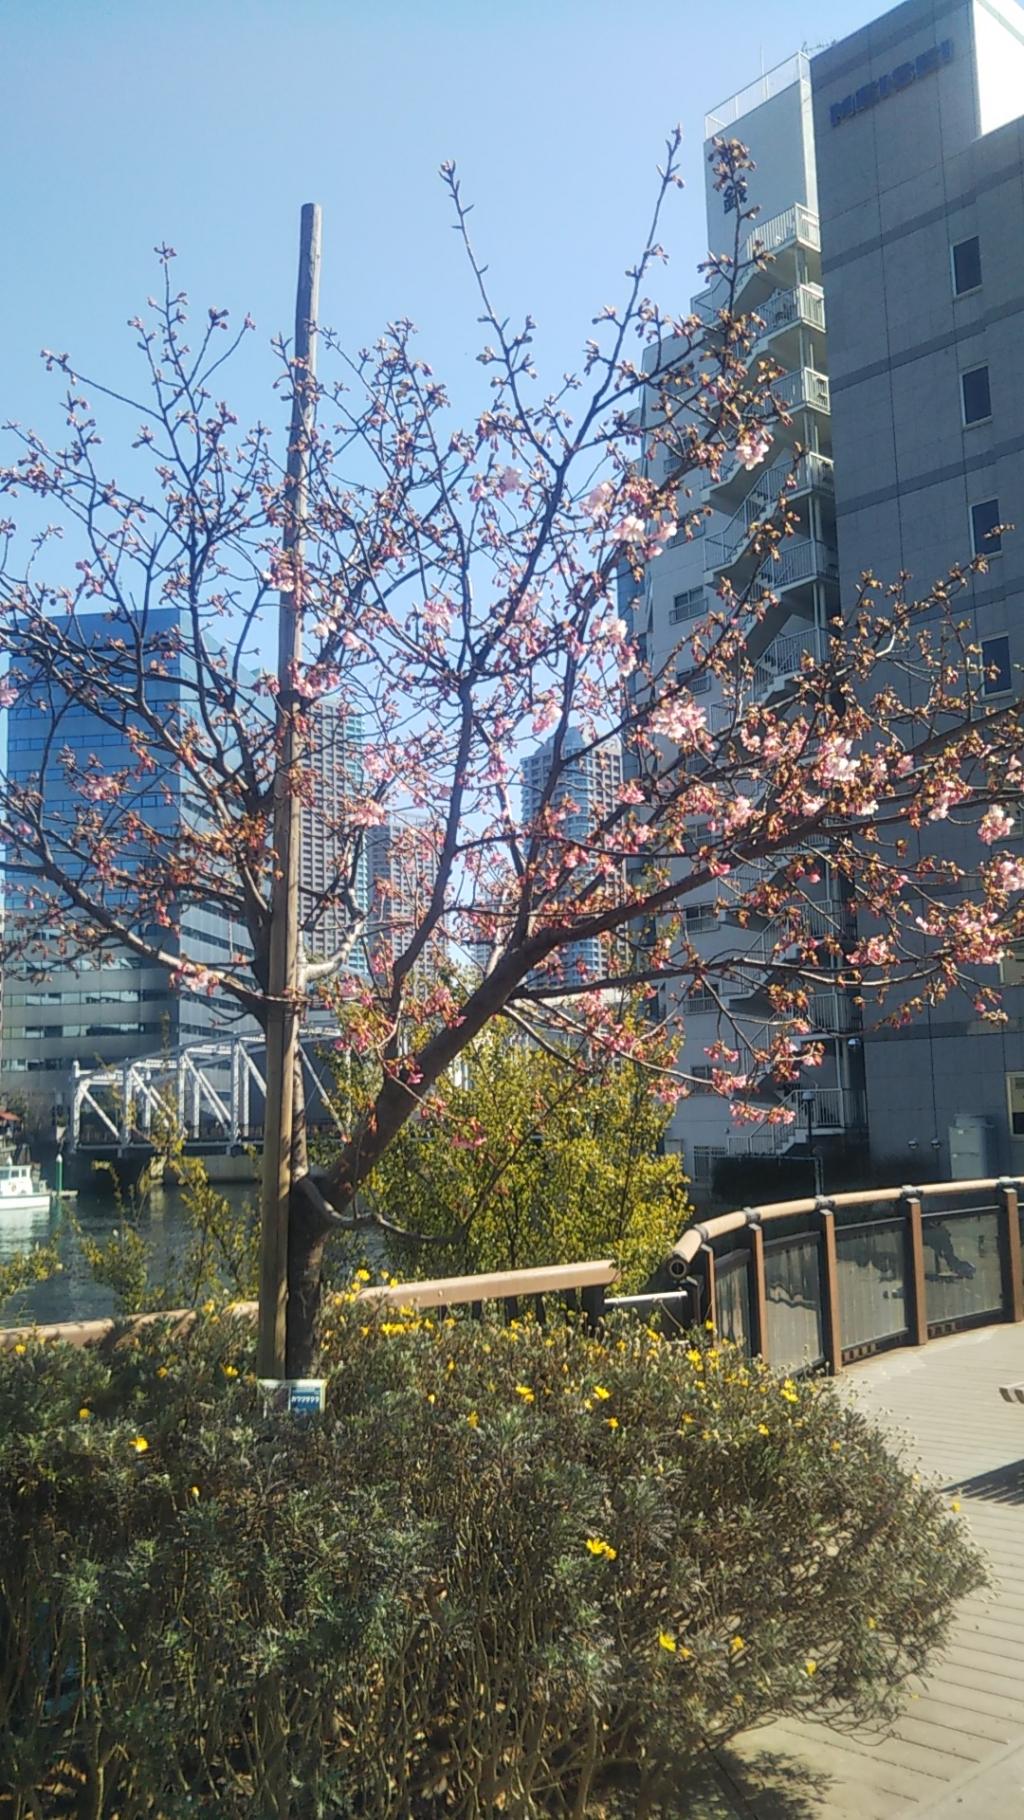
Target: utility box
970 1148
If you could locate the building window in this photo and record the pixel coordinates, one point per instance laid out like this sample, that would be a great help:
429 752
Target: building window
697 681
687 606
1011 967
700 918
1015 1103
977 399
996 674
966 265
985 540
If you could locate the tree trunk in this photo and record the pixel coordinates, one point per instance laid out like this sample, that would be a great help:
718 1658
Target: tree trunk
307 1238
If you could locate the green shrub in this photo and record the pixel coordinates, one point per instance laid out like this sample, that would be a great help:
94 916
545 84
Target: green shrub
511 1570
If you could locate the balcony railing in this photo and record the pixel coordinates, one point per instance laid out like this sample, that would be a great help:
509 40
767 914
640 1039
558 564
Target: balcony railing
833 1110
802 560
805 389
783 660
797 224
805 303
792 69
831 1012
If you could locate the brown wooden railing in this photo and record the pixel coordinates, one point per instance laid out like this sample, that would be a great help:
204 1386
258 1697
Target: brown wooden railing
806 1284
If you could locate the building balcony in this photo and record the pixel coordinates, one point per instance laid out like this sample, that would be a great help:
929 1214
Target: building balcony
812 473
803 306
805 389
799 560
734 492
782 663
833 1111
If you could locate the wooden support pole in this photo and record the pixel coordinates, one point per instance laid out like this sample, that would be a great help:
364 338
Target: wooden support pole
1010 1252
758 1293
283 965
914 1283
831 1333
710 1297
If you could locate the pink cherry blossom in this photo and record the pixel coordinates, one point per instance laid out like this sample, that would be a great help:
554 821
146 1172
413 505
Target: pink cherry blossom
995 825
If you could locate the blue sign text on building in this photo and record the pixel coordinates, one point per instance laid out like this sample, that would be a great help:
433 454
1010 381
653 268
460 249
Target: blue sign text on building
900 78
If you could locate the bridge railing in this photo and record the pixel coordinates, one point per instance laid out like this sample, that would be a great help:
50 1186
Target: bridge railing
806 1284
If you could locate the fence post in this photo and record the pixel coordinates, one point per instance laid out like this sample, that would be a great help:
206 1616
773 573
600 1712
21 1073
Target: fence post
758 1295
917 1296
592 1302
830 1284
1009 1250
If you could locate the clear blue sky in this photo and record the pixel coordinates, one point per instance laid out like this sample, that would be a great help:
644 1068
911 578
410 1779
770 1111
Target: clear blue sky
206 123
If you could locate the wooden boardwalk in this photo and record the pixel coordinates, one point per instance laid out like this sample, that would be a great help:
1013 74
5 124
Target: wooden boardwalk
958 1750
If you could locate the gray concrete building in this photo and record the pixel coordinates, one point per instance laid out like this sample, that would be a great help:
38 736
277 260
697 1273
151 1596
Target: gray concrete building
890 184
774 117
920 177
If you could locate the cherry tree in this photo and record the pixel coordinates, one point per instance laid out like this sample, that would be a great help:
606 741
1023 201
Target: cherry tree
457 588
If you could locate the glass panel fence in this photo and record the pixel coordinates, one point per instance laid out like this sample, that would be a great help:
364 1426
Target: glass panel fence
732 1298
872 1289
792 1273
961 1264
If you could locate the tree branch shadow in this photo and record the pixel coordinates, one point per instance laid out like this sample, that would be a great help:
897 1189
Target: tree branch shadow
765 1785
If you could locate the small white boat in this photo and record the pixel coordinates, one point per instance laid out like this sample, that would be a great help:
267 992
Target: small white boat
19 1192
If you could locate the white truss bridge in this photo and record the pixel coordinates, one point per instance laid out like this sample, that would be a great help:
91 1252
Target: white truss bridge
216 1087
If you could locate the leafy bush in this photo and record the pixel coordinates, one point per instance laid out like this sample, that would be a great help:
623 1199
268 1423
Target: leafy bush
512 1569
527 1155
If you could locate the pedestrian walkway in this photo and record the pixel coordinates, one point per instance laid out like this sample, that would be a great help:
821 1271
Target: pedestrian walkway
958 1751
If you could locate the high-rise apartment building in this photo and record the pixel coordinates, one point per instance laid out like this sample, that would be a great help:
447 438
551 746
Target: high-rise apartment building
332 881
402 859
773 117
101 1007
588 790
890 183
920 162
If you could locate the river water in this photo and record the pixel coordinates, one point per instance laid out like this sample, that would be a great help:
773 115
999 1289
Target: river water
73 1295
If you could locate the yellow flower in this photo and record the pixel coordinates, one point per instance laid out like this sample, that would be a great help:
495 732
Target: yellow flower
810 1666
85 1415
451 1364
473 1419
667 1641
161 1371
605 1549
763 1428
612 1421
21 1347
736 1645
524 1391
362 1276
230 1371
872 1623
431 1397
710 1325
789 1391
208 1307
140 1444
193 1491
694 1356
601 1393
954 1504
